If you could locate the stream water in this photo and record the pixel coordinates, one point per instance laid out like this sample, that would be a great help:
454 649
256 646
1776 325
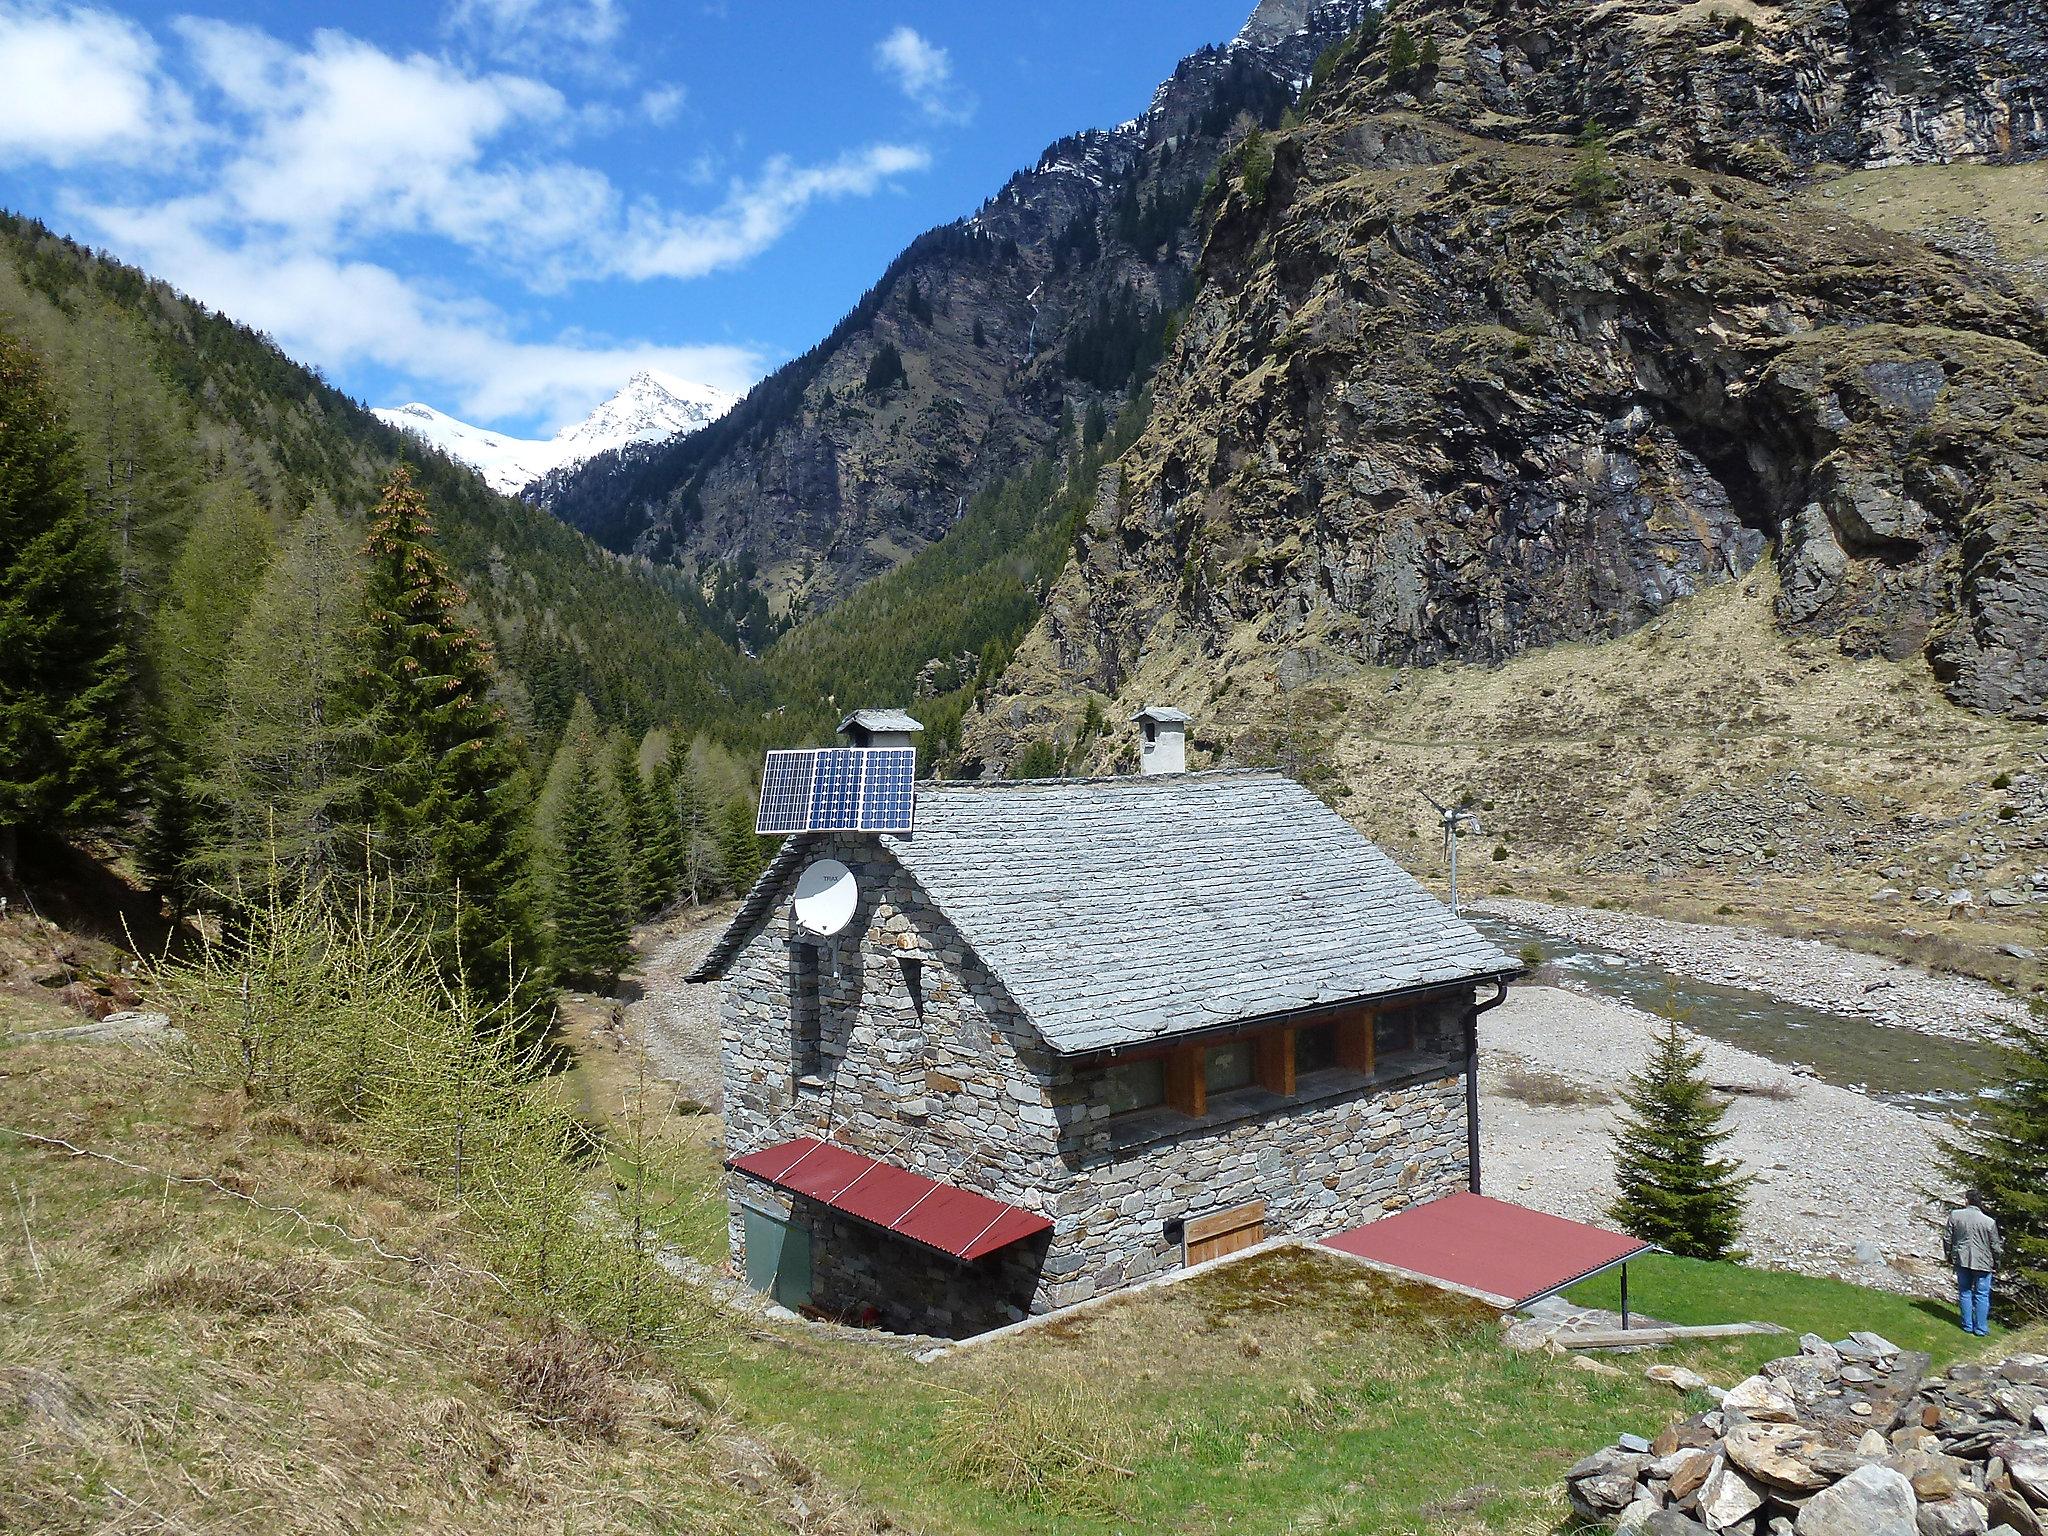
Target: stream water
1927 1073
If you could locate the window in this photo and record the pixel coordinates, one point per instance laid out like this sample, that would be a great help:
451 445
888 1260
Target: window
806 1012
1125 1086
1315 1049
1228 1066
1393 1032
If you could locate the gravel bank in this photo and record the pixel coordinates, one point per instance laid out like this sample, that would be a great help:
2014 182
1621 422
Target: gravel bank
679 1022
1803 971
1838 1174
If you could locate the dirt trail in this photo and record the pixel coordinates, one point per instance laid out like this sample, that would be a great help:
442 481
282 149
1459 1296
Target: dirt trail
678 1021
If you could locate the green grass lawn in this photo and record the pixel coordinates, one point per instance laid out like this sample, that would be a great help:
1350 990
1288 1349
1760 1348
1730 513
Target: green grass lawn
1693 1291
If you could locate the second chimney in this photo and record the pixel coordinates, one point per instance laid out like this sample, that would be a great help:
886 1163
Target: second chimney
880 728
1162 739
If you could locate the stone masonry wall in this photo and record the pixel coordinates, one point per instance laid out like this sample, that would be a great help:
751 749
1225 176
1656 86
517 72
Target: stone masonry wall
958 1086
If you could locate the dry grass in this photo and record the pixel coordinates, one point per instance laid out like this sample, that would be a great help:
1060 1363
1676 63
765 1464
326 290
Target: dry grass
1533 1086
1049 1445
566 1380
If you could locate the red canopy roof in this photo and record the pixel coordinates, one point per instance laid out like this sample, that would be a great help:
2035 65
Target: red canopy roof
957 1222
1506 1252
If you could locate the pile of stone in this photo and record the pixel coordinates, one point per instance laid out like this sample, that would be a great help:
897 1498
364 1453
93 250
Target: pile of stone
1843 1439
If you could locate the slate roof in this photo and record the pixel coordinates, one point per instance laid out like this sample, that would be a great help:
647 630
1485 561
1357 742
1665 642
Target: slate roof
1164 714
1118 911
881 720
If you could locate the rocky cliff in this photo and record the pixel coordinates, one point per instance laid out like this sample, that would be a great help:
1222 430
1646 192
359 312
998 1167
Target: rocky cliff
1457 384
1053 296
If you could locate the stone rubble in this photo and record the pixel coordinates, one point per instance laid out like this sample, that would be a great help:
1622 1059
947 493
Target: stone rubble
1845 1439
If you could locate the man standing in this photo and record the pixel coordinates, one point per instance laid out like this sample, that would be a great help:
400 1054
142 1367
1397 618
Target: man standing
1973 1246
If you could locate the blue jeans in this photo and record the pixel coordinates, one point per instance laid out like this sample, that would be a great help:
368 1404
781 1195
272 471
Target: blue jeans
1973 1296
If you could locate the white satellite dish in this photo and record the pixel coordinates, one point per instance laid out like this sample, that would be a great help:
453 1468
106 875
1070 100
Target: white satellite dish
826 894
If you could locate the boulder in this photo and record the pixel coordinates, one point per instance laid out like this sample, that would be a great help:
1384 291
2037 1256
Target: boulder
1932 1474
2026 1463
1778 1454
1871 1501
1760 1401
1953 1516
1727 1496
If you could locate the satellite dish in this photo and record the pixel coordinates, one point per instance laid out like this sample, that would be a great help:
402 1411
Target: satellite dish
826 894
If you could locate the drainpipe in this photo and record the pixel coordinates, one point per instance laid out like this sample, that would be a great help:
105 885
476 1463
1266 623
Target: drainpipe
1500 995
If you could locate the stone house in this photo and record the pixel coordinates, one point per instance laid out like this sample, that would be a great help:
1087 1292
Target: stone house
1068 1034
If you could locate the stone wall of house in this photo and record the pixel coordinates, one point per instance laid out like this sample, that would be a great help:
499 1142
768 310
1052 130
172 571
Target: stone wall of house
954 1083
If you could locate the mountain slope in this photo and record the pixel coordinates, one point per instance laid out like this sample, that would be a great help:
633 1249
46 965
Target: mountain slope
651 407
1052 296
1454 389
180 409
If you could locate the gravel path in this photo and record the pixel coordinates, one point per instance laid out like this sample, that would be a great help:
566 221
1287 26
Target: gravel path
1803 971
678 1021
1838 1174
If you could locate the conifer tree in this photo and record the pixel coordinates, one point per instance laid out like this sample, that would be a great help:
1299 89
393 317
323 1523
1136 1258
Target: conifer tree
739 850
2002 1153
637 830
1594 184
1402 54
446 792
665 850
285 778
590 899
69 754
702 861
169 849
1673 1190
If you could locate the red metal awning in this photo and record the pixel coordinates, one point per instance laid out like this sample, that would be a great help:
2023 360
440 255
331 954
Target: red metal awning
956 1222
1508 1253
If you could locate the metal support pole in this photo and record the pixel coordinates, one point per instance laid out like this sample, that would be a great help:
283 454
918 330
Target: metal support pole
1472 1098
1624 1298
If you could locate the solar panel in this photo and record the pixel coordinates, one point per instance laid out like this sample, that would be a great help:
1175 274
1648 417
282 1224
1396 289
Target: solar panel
785 793
835 790
888 795
838 789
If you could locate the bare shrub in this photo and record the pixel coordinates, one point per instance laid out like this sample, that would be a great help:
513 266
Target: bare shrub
1047 1445
1547 1090
567 1381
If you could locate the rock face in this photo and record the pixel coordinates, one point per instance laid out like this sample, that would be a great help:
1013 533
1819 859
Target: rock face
1874 1450
1046 299
1453 388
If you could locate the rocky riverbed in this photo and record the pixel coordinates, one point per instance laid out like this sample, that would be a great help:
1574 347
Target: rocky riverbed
1802 971
1838 1175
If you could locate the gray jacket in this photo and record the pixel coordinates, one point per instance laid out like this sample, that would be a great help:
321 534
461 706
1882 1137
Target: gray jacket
1972 1241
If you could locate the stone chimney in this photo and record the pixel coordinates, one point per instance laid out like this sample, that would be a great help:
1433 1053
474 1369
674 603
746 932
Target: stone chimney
1162 739
880 728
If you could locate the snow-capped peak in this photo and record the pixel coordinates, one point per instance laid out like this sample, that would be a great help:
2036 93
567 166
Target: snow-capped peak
651 406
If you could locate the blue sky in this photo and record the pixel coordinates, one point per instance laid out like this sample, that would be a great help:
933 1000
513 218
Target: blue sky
504 206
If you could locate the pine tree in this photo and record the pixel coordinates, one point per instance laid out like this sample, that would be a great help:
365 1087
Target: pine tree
590 900
739 850
1402 54
69 754
637 829
1673 1190
1594 184
446 791
2002 1153
168 852
665 850
885 369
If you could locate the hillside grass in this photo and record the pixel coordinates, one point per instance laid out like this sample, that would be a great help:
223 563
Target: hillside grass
2006 205
178 1357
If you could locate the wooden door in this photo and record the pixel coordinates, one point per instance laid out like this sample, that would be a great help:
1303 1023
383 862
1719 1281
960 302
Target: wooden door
1231 1231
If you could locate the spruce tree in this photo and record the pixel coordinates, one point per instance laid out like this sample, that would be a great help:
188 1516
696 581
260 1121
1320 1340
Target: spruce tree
1594 184
69 753
739 850
665 852
2001 1154
168 851
636 825
590 900
1402 54
1673 1190
446 791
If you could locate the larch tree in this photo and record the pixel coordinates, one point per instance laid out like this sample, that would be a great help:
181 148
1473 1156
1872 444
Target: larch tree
445 790
2001 1153
70 756
590 898
1674 1191
666 851
284 779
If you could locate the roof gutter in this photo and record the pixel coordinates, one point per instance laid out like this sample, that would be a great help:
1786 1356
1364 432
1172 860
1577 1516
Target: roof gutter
1321 1013
1500 995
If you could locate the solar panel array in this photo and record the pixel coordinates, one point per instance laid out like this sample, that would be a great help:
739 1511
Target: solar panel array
838 789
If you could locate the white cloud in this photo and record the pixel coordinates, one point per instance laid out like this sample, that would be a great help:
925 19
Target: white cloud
539 32
78 84
661 243
660 105
346 312
923 71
